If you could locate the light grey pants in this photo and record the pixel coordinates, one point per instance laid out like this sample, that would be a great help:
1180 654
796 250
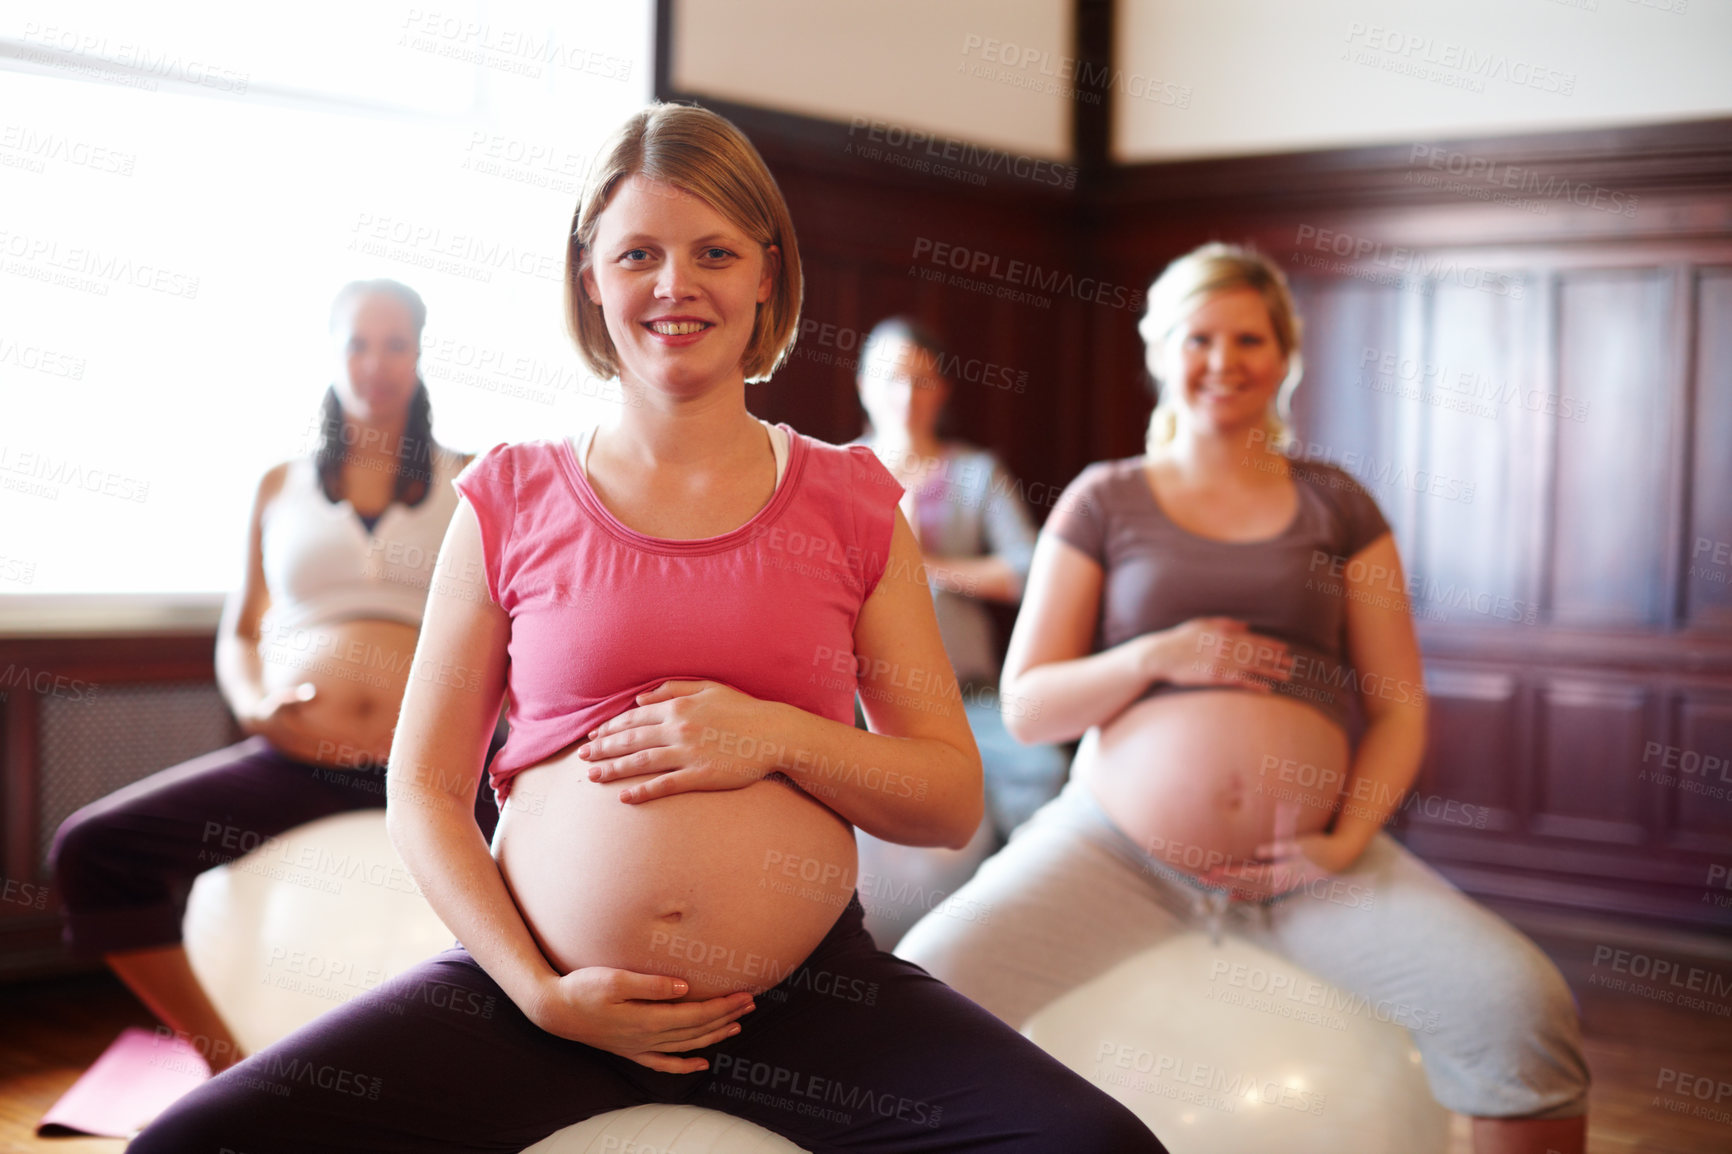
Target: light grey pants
1071 896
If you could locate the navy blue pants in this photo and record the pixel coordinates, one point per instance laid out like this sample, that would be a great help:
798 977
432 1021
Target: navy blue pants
124 865
855 1051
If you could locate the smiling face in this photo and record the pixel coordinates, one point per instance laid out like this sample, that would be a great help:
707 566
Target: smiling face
901 388
377 352
1224 360
678 285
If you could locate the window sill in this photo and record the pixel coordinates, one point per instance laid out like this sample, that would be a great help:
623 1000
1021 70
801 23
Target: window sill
105 614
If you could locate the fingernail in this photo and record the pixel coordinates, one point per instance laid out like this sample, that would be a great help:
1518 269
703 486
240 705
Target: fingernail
732 1030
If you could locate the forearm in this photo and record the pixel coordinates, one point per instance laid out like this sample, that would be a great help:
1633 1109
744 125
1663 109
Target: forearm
1061 700
911 790
435 833
1384 768
988 578
239 674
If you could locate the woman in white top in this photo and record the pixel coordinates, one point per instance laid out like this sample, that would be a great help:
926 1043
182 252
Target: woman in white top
313 655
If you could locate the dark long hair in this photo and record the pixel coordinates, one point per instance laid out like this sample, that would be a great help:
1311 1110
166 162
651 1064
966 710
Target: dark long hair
415 448
414 465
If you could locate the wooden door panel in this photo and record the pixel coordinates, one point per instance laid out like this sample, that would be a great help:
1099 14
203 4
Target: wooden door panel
1614 474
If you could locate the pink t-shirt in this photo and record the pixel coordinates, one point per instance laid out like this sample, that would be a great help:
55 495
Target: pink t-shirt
601 613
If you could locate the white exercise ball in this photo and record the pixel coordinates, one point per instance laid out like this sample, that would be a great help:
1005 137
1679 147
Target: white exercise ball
1228 1049
669 1129
900 884
304 922
310 919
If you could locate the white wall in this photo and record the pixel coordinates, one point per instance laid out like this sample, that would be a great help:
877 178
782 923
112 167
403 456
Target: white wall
911 63
1218 77
1283 75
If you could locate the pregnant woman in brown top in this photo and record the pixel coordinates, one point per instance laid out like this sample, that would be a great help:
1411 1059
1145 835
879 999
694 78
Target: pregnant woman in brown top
1205 618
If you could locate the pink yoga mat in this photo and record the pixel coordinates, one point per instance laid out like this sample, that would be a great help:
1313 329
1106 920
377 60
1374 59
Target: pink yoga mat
138 1077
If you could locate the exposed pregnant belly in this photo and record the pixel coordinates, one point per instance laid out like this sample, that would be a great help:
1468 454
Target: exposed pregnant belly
728 890
1203 778
359 670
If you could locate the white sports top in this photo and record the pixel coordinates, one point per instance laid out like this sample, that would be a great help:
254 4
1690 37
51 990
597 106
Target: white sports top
322 565
585 440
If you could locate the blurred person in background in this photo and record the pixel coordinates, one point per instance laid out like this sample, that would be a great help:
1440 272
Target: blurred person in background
976 541
313 654
1208 618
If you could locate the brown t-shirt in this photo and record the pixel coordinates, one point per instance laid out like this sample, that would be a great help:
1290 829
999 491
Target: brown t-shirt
1290 586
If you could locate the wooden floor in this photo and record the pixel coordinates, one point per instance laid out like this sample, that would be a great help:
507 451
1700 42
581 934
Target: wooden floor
51 1030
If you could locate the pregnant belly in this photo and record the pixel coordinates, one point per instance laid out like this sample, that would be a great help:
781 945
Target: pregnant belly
358 670
1202 779
728 890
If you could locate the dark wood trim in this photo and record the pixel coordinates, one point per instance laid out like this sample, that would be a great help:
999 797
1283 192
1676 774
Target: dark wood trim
182 655
663 50
18 794
31 946
1573 893
1091 122
1690 278
1693 653
1683 156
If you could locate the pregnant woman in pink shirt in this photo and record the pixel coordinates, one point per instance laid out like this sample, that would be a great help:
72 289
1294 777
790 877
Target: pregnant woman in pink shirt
681 608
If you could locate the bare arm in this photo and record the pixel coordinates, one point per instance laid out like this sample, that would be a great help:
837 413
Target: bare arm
909 693
279 717
1384 652
989 578
239 672
1061 688
436 761
999 573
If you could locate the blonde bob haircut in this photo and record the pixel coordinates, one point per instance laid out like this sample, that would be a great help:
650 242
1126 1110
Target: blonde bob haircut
698 152
1203 272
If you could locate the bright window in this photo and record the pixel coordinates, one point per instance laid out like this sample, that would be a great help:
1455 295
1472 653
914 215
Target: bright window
184 187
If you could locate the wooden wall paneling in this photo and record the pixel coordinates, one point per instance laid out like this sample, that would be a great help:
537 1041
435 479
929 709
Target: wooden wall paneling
1589 730
860 237
1706 585
1109 383
1474 742
1345 409
1097 346
1614 469
1471 478
1692 772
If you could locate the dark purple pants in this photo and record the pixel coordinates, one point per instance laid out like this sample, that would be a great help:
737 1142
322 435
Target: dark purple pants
125 864
855 1051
